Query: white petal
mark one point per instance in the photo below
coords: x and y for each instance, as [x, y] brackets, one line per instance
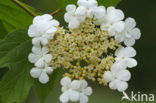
[33, 58]
[110, 9]
[119, 26]
[99, 12]
[45, 50]
[92, 3]
[64, 98]
[80, 11]
[36, 50]
[122, 86]
[74, 96]
[35, 72]
[131, 62]
[130, 23]
[71, 8]
[118, 14]
[40, 63]
[129, 42]
[113, 84]
[67, 17]
[32, 31]
[54, 23]
[83, 84]
[43, 77]
[124, 75]
[136, 33]
[82, 3]
[49, 70]
[36, 41]
[75, 84]
[125, 52]
[87, 91]
[47, 58]
[73, 24]
[116, 67]
[83, 98]
[108, 76]
[45, 17]
[65, 81]
[44, 41]
[51, 31]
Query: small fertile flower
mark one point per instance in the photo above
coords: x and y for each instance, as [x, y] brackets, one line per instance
[112, 22]
[124, 57]
[40, 56]
[42, 29]
[130, 33]
[90, 5]
[117, 78]
[41, 73]
[74, 16]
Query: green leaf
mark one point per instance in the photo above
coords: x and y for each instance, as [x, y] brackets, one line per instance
[15, 86]
[106, 3]
[15, 47]
[13, 17]
[14, 50]
[43, 90]
[3, 31]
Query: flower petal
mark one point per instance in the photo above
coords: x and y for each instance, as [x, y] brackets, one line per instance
[65, 81]
[75, 84]
[108, 76]
[125, 52]
[83, 98]
[47, 58]
[130, 23]
[83, 84]
[33, 58]
[35, 72]
[87, 91]
[124, 75]
[122, 86]
[113, 84]
[74, 96]
[136, 33]
[64, 98]
[131, 62]
[43, 77]
[71, 9]
[49, 70]
[129, 42]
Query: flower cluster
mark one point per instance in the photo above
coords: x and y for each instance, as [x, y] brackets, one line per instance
[42, 29]
[75, 90]
[97, 45]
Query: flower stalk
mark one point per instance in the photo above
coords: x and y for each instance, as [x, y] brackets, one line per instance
[55, 12]
[24, 7]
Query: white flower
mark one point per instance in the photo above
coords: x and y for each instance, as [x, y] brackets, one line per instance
[112, 22]
[117, 78]
[90, 5]
[69, 90]
[39, 56]
[129, 34]
[99, 12]
[74, 16]
[41, 73]
[84, 91]
[75, 90]
[124, 57]
[42, 29]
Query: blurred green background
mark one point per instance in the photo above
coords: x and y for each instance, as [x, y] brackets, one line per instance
[143, 76]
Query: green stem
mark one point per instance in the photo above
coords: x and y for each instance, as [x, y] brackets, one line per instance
[55, 12]
[24, 7]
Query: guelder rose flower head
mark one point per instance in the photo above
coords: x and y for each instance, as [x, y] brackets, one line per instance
[130, 33]
[42, 29]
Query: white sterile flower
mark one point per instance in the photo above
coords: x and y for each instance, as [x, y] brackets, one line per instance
[41, 73]
[124, 57]
[40, 56]
[84, 91]
[42, 29]
[90, 6]
[117, 78]
[112, 22]
[69, 90]
[74, 16]
[129, 34]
